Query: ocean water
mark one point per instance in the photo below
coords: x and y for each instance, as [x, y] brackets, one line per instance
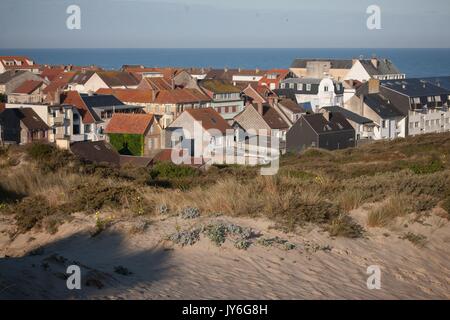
[413, 62]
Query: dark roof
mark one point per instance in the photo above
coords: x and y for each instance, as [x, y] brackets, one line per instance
[135, 161]
[287, 93]
[442, 82]
[349, 115]
[321, 125]
[415, 87]
[98, 101]
[82, 77]
[384, 67]
[28, 117]
[335, 63]
[273, 118]
[96, 152]
[291, 105]
[5, 77]
[382, 106]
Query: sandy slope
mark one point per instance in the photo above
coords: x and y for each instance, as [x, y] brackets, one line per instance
[319, 267]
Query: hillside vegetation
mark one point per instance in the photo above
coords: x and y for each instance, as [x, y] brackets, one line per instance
[42, 186]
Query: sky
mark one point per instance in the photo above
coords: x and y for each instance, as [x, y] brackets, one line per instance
[225, 24]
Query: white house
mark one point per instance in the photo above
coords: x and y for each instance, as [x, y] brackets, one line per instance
[319, 92]
[380, 69]
[203, 133]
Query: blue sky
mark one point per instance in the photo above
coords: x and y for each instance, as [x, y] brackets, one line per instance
[224, 24]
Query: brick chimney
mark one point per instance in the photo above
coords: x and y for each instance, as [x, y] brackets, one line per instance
[374, 86]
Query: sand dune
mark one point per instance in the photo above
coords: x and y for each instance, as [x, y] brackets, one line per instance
[318, 268]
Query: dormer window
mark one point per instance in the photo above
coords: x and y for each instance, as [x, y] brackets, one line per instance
[300, 87]
[308, 87]
[291, 85]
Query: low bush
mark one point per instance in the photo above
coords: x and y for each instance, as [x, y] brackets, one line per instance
[168, 170]
[416, 239]
[383, 215]
[30, 212]
[432, 166]
[345, 226]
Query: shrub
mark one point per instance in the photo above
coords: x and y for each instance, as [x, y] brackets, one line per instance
[446, 205]
[190, 213]
[434, 165]
[417, 239]
[168, 170]
[40, 151]
[216, 233]
[387, 212]
[345, 226]
[186, 237]
[30, 212]
[350, 199]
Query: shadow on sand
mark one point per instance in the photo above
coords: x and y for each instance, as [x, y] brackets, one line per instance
[108, 269]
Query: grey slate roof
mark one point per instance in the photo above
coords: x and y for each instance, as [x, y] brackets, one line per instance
[321, 125]
[349, 114]
[7, 76]
[98, 101]
[381, 106]
[385, 67]
[442, 82]
[335, 63]
[96, 152]
[415, 87]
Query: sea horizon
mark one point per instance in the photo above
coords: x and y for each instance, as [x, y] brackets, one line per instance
[414, 62]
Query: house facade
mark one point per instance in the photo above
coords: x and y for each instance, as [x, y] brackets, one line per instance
[327, 130]
[202, 133]
[226, 98]
[12, 79]
[319, 92]
[134, 134]
[379, 69]
[18, 63]
[369, 102]
[22, 126]
[30, 91]
[424, 104]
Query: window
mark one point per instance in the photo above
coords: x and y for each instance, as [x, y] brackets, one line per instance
[308, 87]
[437, 98]
[416, 100]
[167, 108]
[416, 124]
[325, 88]
[291, 85]
[430, 99]
[427, 123]
[300, 86]
[282, 86]
[87, 128]
[383, 123]
[432, 123]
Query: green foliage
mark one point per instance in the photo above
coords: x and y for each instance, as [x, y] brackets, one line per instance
[435, 165]
[128, 144]
[48, 157]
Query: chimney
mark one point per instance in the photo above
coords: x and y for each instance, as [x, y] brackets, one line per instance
[90, 93]
[374, 86]
[260, 108]
[374, 62]
[57, 97]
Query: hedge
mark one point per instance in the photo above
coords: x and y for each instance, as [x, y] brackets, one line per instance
[128, 144]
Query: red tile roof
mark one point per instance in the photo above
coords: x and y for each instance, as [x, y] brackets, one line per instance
[129, 95]
[167, 73]
[118, 78]
[131, 123]
[59, 82]
[28, 87]
[156, 84]
[281, 74]
[51, 72]
[73, 98]
[209, 118]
